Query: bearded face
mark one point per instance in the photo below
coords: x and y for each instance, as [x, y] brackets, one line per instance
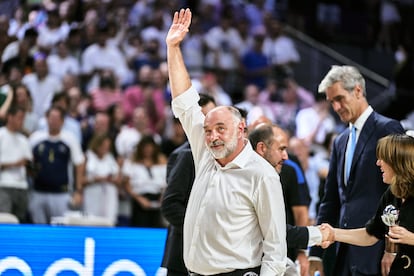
[220, 149]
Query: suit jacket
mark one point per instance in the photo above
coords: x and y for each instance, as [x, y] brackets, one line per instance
[180, 178]
[352, 205]
[297, 236]
[295, 193]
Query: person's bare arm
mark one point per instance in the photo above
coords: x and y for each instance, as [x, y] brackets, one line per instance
[300, 214]
[178, 75]
[5, 107]
[77, 196]
[79, 177]
[357, 236]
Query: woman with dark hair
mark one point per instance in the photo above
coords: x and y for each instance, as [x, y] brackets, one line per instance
[23, 99]
[100, 190]
[146, 179]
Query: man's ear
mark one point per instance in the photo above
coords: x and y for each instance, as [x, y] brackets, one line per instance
[260, 148]
[358, 91]
[242, 128]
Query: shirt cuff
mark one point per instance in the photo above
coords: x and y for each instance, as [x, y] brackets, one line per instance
[313, 258]
[277, 269]
[315, 235]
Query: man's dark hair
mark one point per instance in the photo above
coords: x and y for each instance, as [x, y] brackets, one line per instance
[320, 97]
[57, 108]
[31, 32]
[262, 133]
[242, 111]
[13, 110]
[205, 99]
[59, 96]
[74, 31]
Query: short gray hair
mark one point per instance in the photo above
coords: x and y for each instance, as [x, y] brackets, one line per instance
[237, 117]
[348, 76]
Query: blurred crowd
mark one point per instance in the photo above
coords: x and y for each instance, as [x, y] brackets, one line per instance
[84, 86]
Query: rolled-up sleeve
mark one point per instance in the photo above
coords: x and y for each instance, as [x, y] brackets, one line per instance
[272, 220]
[186, 108]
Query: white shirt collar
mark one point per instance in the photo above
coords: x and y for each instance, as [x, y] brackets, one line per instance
[241, 159]
[359, 123]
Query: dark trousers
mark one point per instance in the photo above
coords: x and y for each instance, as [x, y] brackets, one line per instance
[14, 201]
[146, 217]
[238, 272]
[176, 273]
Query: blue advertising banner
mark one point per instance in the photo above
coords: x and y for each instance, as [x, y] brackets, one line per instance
[34, 250]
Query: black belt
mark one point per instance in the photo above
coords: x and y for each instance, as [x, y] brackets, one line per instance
[238, 272]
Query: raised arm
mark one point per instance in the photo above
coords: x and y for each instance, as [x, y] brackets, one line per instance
[178, 75]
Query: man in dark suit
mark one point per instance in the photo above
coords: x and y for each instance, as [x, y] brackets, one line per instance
[351, 196]
[180, 177]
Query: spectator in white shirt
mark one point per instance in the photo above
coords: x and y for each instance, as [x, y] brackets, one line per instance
[129, 136]
[210, 85]
[280, 49]
[315, 122]
[62, 63]
[100, 56]
[42, 86]
[100, 186]
[52, 32]
[224, 46]
[15, 154]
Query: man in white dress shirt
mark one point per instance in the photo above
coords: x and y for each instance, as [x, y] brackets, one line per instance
[235, 218]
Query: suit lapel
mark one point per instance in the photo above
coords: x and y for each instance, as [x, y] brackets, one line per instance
[364, 137]
[342, 143]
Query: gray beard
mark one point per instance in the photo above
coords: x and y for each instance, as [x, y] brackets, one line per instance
[226, 151]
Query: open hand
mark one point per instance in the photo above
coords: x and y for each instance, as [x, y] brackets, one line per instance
[179, 27]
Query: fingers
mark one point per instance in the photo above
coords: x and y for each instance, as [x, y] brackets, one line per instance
[328, 234]
[325, 244]
[183, 17]
[179, 27]
[175, 18]
[394, 240]
[394, 237]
